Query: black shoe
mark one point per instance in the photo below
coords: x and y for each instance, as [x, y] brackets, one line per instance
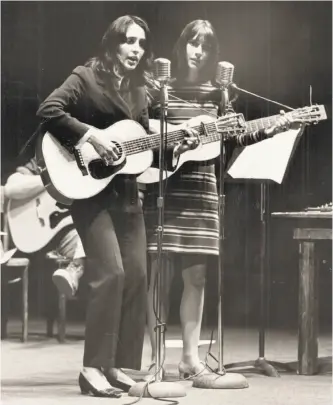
[117, 378]
[87, 388]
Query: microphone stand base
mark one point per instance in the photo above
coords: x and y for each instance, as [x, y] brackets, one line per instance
[262, 365]
[218, 381]
[157, 390]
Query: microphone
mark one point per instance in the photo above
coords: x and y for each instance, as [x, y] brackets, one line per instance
[162, 74]
[162, 70]
[224, 76]
[224, 73]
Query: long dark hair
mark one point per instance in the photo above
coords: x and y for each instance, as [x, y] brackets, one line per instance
[201, 29]
[106, 62]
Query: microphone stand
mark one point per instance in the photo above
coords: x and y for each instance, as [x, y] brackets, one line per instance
[155, 388]
[220, 379]
[159, 340]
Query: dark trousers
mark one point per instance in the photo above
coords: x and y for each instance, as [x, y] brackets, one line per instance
[115, 245]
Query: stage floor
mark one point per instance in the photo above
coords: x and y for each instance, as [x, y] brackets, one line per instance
[44, 371]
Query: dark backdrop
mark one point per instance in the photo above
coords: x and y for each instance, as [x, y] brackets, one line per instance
[278, 49]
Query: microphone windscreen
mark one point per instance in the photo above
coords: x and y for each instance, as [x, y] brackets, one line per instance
[162, 69]
[224, 73]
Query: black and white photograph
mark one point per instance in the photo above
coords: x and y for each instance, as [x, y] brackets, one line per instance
[166, 202]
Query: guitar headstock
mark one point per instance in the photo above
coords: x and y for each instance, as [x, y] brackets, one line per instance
[230, 121]
[311, 114]
[231, 124]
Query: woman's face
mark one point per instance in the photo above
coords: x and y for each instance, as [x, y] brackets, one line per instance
[197, 53]
[131, 51]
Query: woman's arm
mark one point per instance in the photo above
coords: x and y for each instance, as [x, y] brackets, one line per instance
[283, 123]
[57, 117]
[56, 111]
[249, 138]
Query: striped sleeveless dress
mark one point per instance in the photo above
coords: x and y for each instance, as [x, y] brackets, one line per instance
[191, 199]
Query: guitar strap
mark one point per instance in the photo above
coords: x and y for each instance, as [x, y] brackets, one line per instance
[29, 141]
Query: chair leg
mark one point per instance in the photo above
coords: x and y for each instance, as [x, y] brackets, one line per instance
[51, 303]
[62, 318]
[4, 303]
[49, 327]
[25, 281]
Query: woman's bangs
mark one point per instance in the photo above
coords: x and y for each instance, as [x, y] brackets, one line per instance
[203, 34]
[206, 37]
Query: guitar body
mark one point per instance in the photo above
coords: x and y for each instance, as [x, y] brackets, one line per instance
[65, 181]
[34, 222]
[201, 153]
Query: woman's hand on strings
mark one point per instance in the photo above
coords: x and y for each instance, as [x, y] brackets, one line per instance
[284, 123]
[107, 150]
[190, 142]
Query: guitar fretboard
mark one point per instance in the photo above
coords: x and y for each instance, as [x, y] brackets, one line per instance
[207, 133]
[261, 123]
[266, 122]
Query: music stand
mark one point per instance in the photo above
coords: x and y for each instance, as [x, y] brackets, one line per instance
[261, 364]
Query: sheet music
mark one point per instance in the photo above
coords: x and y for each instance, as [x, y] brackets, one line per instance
[266, 160]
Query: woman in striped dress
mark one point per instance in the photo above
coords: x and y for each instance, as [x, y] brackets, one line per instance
[191, 199]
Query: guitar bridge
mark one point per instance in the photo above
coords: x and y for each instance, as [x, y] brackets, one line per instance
[80, 162]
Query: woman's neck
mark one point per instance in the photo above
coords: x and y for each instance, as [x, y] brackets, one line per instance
[119, 77]
[193, 77]
[117, 81]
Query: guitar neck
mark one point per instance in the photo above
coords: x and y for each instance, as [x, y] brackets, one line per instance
[152, 142]
[262, 123]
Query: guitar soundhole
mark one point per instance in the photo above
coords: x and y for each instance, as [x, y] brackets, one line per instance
[57, 217]
[99, 170]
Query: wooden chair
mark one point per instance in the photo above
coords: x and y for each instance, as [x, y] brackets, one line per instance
[23, 265]
[18, 263]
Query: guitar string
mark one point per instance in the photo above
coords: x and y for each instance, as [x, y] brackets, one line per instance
[174, 135]
[152, 143]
